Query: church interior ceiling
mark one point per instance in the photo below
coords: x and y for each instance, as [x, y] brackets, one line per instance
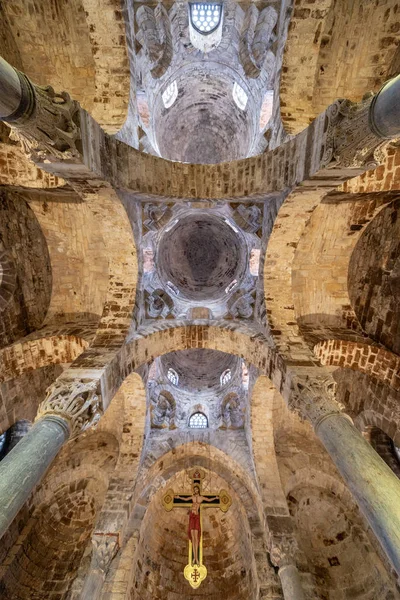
[199, 300]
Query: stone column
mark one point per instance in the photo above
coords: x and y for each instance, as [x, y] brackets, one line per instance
[282, 555]
[373, 484]
[69, 408]
[44, 121]
[10, 90]
[105, 547]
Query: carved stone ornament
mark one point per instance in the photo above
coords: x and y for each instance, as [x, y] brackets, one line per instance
[105, 547]
[52, 125]
[283, 551]
[314, 399]
[77, 402]
[349, 139]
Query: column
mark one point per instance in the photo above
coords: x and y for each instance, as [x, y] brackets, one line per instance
[373, 484]
[10, 90]
[282, 554]
[69, 408]
[44, 121]
[385, 110]
[105, 547]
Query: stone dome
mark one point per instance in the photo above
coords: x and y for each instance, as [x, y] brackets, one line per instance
[201, 256]
[200, 368]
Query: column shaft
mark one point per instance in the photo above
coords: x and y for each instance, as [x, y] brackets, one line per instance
[291, 584]
[10, 90]
[385, 110]
[373, 484]
[25, 465]
[93, 585]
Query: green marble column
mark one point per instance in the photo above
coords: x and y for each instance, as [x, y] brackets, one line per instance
[291, 584]
[373, 484]
[25, 465]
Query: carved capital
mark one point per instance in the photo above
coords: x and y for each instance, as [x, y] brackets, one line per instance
[77, 402]
[47, 122]
[105, 547]
[283, 551]
[315, 399]
[349, 138]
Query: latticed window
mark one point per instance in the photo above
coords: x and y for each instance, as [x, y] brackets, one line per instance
[226, 377]
[173, 376]
[205, 16]
[239, 95]
[170, 94]
[198, 421]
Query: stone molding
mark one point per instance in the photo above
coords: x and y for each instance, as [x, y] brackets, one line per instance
[49, 122]
[76, 402]
[349, 139]
[105, 547]
[315, 400]
[283, 551]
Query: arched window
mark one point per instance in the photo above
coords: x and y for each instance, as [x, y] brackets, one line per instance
[170, 94]
[205, 16]
[226, 377]
[198, 421]
[173, 376]
[239, 95]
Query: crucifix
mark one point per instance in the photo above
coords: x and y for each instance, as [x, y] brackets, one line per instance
[195, 571]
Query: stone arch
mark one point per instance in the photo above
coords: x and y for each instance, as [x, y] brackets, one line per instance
[321, 270]
[263, 446]
[337, 549]
[49, 549]
[320, 46]
[227, 542]
[37, 353]
[25, 286]
[374, 278]
[161, 465]
[376, 362]
[80, 48]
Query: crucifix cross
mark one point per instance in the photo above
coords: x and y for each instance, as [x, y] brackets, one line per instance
[195, 571]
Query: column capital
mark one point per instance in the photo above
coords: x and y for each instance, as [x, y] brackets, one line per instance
[105, 547]
[45, 122]
[76, 402]
[283, 551]
[350, 140]
[314, 399]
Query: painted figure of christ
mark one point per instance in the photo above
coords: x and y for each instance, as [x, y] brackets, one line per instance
[194, 531]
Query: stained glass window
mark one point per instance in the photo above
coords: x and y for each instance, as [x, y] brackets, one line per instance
[205, 16]
[198, 421]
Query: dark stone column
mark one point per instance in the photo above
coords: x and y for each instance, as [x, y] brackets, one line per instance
[373, 484]
[385, 110]
[70, 408]
[26, 464]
